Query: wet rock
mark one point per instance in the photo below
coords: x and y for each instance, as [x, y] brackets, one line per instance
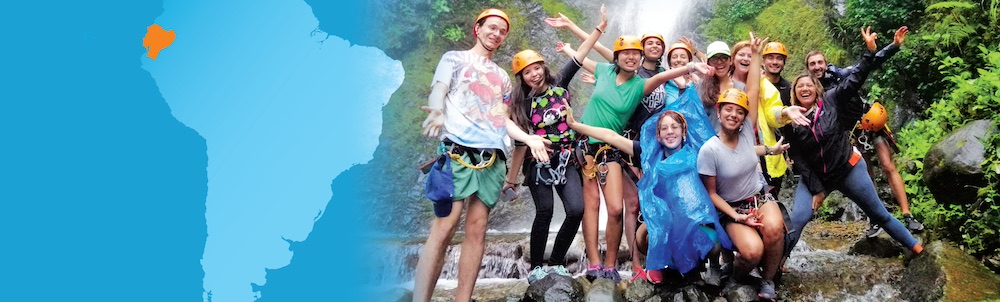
[953, 167]
[398, 294]
[554, 288]
[719, 299]
[640, 290]
[604, 290]
[654, 299]
[736, 292]
[881, 246]
[690, 294]
[945, 273]
[584, 283]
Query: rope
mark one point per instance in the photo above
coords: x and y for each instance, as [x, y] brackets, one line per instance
[458, 158]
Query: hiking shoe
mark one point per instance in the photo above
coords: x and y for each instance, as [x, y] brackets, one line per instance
[559, 270]
[639, 274]
[594, 272]
[537, 274]
[912, 224]
[767, 290]
[612, 274]
[713, 276]
[873, 230]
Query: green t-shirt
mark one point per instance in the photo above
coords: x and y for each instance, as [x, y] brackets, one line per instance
[611, 105]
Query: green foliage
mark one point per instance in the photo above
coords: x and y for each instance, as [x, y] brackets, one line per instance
[799, 26]
[454, 34]
[740, 9]
[884, 17]
[974, 95]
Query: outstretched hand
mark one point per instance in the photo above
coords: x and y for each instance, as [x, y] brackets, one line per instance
[588, 78]
[539, 148]
[900, 35]
[604, 18]
[689, 44]
[797, 115]
[559, 22]
[432, 124]
[757, 44]
[869, 36]
[701, 67]
[779, 148]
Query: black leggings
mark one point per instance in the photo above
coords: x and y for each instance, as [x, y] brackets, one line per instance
[571, 194]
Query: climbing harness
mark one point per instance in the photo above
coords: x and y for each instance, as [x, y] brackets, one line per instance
[455, 152]
[546, 174]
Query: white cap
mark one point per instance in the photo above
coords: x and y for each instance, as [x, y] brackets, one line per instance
[717, 47]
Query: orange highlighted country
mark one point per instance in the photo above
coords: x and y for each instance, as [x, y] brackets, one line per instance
[157, 39]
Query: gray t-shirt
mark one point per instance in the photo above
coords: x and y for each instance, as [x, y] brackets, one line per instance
[736, 174]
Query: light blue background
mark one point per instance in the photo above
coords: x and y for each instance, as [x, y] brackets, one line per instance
[127, 179]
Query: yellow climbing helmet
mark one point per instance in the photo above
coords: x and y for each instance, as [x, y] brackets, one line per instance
[627, 42]
[775, 47]
[734, 96]
[523, 59]
[875, 119]
[492, 12]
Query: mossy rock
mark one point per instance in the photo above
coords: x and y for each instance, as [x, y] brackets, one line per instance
[945, 273]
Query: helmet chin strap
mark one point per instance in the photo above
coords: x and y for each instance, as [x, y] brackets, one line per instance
[475, 31]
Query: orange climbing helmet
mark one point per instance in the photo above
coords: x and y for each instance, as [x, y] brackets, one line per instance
[734, 96]
[679, 45]
[875, 119]
[652, 35]
[775, 47]
[627, 42]
[492, 12]
[524, 58]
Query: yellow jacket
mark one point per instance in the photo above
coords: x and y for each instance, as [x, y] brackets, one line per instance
[768, 119]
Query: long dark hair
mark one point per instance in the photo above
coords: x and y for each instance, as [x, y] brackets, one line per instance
[520, 100]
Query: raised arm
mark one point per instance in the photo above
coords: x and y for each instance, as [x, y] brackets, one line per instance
[697, 53]
[603, 134]
[566, 49]
[666, 75]
[563, 22]
[588, 44]
[753, 77]
[537, 144]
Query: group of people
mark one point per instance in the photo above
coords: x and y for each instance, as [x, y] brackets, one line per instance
[687, 153]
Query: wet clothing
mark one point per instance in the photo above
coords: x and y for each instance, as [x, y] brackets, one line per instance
[486, 183]
[476, 104]
[612, 105]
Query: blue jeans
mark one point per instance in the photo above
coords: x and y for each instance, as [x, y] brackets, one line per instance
[859, 188]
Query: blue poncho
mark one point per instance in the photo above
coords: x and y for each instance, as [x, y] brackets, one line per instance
[672, 197]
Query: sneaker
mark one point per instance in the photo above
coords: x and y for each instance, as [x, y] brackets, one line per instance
[594, 272]
[912, 224]
[639, 274]
[767, 290]
[537, 274]
[713, 276]
[873, 230]
[559, 270]
[612, 274]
